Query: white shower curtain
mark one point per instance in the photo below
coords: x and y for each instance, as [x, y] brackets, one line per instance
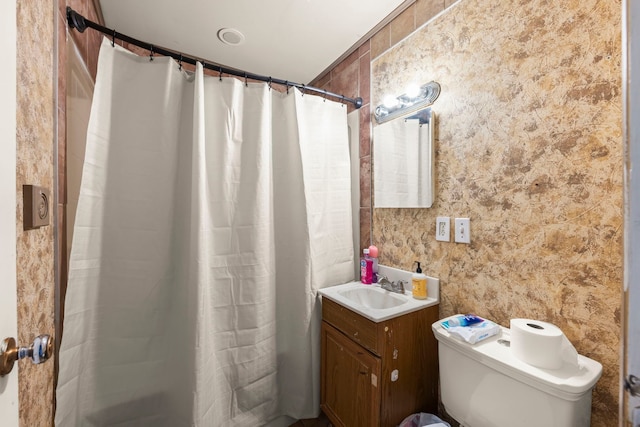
[210, 213]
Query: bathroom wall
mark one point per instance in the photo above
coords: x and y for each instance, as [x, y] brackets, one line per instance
[352, 77]
[88, 45]
[34, 165]
[37, 119]
[529, 147]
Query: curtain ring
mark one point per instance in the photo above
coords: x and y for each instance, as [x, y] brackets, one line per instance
[180, 63]
[151, 54]
[286, 83]
[269, 83]
[113, 39]
[303, 89]
[220, 73]
[245, 80]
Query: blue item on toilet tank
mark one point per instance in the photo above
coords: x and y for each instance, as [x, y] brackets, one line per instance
[466, 320]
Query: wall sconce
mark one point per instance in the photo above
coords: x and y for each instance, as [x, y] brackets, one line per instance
[410, 101]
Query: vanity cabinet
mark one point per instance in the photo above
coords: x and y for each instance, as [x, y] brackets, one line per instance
[376, 374]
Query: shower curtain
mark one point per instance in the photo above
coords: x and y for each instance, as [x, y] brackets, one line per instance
[210, 213]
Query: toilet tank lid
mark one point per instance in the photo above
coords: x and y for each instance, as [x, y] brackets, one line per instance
[569, 381]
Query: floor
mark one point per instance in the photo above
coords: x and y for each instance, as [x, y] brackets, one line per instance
[321, 421]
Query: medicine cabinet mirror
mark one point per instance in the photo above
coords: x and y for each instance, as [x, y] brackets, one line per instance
[403, 162]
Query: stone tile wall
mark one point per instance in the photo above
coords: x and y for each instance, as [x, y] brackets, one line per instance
[37, 98]
[529, 146]
[34, 166]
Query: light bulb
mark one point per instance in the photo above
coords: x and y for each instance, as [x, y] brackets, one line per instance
[413, 90]
[390, 101]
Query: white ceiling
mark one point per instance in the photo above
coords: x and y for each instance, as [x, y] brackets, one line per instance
[293, 40]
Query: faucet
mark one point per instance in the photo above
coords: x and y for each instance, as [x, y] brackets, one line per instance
[390, 286]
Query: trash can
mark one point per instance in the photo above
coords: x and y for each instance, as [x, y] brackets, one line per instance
[423, 419]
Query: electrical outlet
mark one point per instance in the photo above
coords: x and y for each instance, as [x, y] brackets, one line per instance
[443, 228]
[463, 230]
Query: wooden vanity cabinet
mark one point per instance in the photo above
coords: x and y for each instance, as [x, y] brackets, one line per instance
[358, 383]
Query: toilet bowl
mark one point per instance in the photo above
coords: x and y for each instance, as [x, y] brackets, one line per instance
[485, 385]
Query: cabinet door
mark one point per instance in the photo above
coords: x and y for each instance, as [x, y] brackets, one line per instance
[350, 381]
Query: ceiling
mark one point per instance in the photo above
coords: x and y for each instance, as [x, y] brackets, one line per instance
[295, 40]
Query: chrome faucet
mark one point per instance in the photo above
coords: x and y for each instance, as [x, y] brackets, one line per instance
[390, 286]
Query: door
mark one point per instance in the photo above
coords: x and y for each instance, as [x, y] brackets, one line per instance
[631, 121]
[8, 298]
[350, 394]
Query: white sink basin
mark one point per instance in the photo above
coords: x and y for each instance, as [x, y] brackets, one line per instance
[377, 304]
[372, 297]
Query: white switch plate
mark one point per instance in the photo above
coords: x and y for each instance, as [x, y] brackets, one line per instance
[443, 228]
[463, 231]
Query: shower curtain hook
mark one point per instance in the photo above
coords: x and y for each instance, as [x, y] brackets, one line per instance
[269, 83]
[286, 83]
[220, 69]
[303, 88]
[151, 55]
[113, 39]
[245, 80]
[180, 63]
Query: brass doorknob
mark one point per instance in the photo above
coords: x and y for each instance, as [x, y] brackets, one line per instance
[39, 351]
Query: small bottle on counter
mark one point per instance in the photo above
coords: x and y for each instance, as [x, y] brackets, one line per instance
[366, 268]
[419, 283]
[373, 253]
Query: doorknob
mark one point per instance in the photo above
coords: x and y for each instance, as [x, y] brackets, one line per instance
[39, 351]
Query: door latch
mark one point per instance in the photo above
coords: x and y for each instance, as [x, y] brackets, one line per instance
[39, 351]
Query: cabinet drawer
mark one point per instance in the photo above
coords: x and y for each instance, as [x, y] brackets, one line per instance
[358, 328]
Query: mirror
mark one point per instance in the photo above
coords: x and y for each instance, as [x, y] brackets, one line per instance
[403, 162]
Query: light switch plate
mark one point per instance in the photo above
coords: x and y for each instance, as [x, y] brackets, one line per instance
[443, 228]
[463, 230]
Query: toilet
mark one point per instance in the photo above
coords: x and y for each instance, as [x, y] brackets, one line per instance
[484, 385]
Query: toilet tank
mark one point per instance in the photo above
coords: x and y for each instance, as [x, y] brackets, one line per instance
[484, 385]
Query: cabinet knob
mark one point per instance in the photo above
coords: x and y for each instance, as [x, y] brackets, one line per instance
[39, 351]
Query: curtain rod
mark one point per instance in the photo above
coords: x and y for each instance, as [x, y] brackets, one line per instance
[80, 23]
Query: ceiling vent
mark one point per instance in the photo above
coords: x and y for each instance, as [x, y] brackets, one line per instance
[230, 36]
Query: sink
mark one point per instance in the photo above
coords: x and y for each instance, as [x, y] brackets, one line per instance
[377, 304]
[373, 297]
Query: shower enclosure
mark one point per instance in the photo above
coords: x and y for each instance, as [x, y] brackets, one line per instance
[210, 212]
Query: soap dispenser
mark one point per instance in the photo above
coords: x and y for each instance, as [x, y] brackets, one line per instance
[419, 283]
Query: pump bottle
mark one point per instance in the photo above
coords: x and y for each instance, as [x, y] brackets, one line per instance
[419, 283]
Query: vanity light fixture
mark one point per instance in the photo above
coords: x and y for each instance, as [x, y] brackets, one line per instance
[412, 100]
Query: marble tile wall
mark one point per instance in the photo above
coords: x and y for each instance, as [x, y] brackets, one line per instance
[529, 146]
